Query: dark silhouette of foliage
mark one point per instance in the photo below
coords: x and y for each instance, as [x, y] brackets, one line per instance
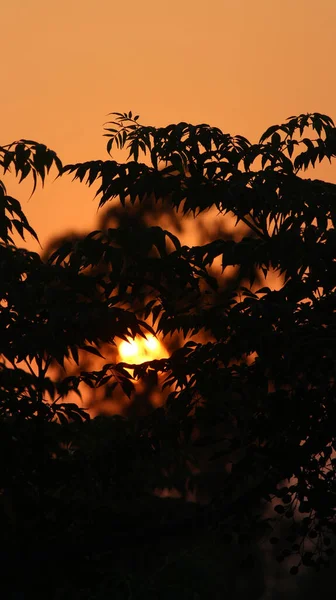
[281, 403]
[258, 364]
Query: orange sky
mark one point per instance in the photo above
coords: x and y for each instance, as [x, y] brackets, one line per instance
[240, 65]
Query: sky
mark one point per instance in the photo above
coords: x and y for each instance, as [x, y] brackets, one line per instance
[240, 65]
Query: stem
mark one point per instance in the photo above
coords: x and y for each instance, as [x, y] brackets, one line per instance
[254, 228]
[29, 367]
[56, 400]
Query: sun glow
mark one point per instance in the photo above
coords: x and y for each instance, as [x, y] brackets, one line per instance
[140, 350]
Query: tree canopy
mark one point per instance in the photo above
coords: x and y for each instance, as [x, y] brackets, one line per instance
[254, 377]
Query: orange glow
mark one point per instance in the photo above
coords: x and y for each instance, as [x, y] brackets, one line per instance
[139, 350]
[241, 68]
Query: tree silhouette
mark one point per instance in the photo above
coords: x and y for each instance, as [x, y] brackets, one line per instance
[279, 400]
[257, 364]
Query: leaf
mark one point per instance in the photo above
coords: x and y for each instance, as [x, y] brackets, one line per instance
[268, 133]
[276, 140]
[127, 387]
[91, 350]
[74, 352]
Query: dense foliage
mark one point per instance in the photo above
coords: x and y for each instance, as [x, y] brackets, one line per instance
[256, 368]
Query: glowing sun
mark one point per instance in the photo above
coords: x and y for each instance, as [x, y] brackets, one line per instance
[139, 350]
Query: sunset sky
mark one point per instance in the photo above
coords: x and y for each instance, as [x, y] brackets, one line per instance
[240, 65]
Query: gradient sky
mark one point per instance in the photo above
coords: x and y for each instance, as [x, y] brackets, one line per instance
[240, 65]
